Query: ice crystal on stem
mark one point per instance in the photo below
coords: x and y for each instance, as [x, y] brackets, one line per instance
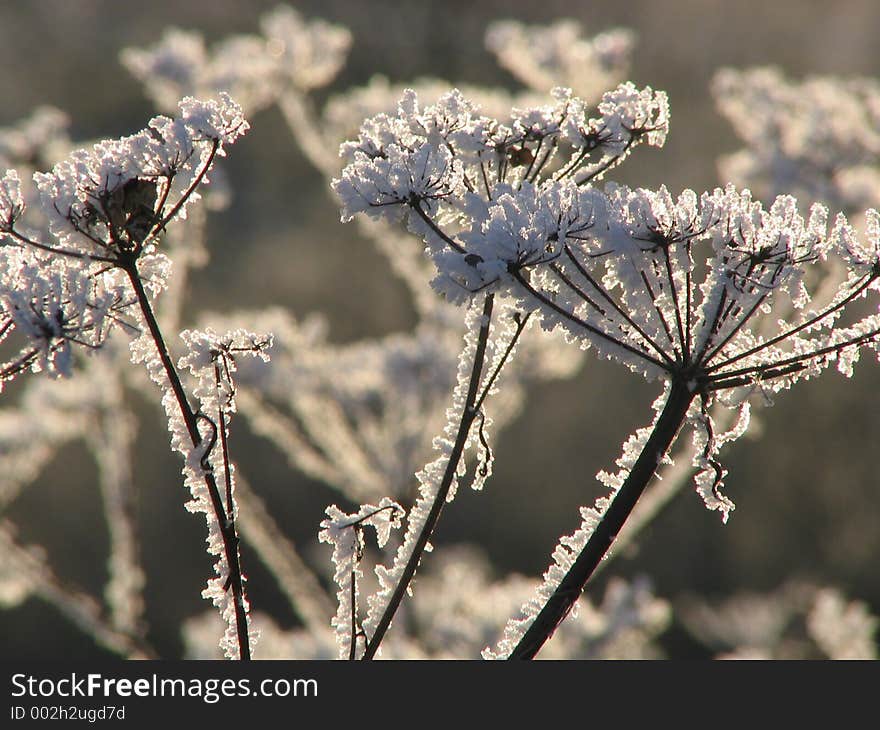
[211, 358]
[346, 534]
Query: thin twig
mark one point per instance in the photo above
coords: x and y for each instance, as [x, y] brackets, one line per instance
[227, 528]
[467, 418]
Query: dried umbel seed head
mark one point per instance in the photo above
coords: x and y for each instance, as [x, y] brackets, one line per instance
[131, 209]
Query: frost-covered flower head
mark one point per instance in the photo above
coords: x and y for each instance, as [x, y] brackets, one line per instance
[113, 200]
[46, 307]
[449, 156]
[102, 211]
[671, 287]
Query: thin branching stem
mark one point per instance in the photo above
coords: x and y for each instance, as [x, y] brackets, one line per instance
[560, 273]
[542, 164]
[224, 447]
[799, 328]
[434, 227]
[673, 290]
[657, 308]
[160, 225]
[521, 322]
[688, 303]
[608, 164]
[733, 331]
[469, 413]
[573, 164]
[352, 649]
[580, 323]
[531, 166]
[485, 180]
[582, 270]
[227, 527]
[799, 359]
[21, 238]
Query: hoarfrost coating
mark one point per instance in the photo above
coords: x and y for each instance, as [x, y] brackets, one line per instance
[672, 287]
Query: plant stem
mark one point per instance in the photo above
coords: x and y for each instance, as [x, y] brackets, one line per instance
[569, 590]
[225, 521]
[468, 415]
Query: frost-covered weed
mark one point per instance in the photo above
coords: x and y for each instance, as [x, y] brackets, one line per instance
[723, 299]
[672, 287]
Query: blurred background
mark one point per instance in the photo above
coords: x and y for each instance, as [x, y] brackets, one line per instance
[804, 480]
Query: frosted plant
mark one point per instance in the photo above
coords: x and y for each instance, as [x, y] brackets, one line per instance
[667, 286]
[91, 408]
[346, 534]
[347, 413]
[694, 291]
[319, 134]
[212, 358]
[287, 61]
[361, 416]
[95, 265]
[314, 51]
[817, 139]
[423, 169]
[53, 307]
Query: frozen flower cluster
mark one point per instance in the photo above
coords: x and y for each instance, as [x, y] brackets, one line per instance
[114, 199]
[103, 210]
[668, 285]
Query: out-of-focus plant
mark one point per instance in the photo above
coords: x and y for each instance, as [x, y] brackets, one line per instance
[796, 621]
